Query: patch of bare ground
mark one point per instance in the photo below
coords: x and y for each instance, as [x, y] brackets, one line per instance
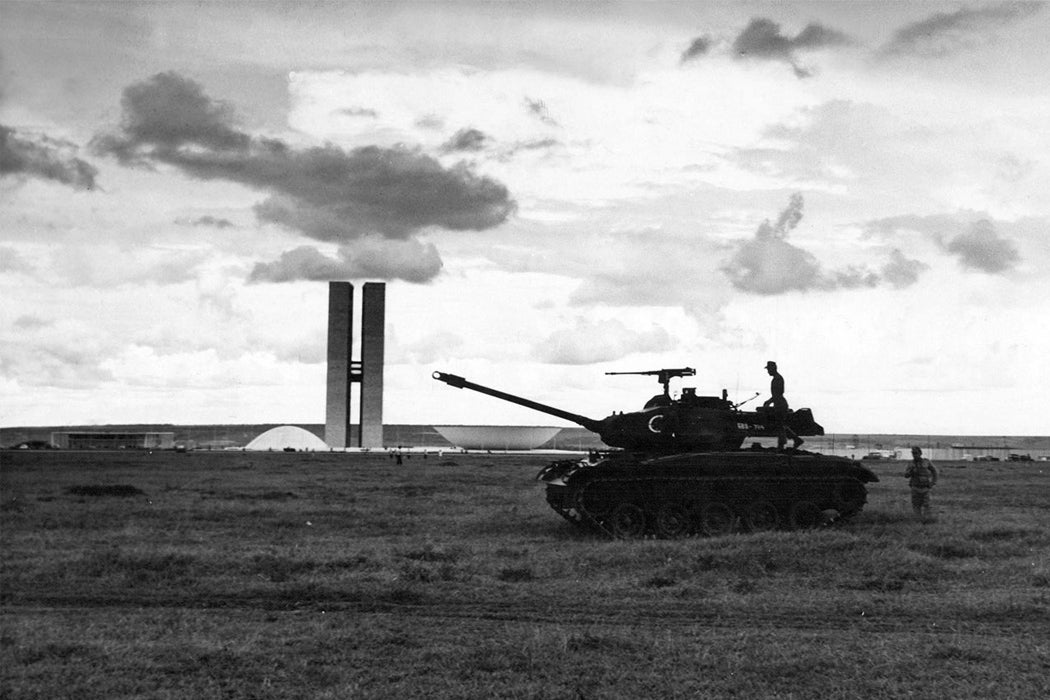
[273, 575]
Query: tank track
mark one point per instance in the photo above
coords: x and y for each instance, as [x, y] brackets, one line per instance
[673, 507]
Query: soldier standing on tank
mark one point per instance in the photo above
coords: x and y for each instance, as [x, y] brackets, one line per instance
[922, 477]
[779, 406]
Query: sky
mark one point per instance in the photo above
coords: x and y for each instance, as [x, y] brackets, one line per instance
[551, 191]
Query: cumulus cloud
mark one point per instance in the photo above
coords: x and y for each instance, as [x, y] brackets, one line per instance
[369, 258]
[627, 288]
[431, 122]
[206, 220]
[323, 192]
[591, 341]
[937, 227]
[410, 260]
[641, 269]
[763, 39]
[700, 46]
[431, 348]
[97, 265]
[850, 277]
[302, 263]
[538, 109]
[976, 242]
[68, 353]
[944, 33]
[30, 322]
[901, 271]
[982, 248]
[468, 139]
[12, 261]
[768, 264]
[533, 145]
[359, 112]
[22, 155]
[168, 112]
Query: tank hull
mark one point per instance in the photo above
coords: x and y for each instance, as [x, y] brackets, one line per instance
[706, 493]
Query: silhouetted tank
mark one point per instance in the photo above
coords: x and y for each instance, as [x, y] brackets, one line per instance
[680, 469]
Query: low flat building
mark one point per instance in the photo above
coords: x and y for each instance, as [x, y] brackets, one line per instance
[109, 440]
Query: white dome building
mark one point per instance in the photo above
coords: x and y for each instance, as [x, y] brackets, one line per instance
[496, 437]
[287, 437]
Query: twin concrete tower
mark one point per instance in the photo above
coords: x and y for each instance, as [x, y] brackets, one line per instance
[343, 371]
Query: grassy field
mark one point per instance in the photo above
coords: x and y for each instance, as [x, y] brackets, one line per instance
[241, 575]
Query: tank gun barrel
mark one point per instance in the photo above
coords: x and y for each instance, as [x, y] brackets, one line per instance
[461, 383]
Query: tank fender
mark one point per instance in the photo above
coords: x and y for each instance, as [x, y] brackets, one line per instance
[863, 473]
[560, 469]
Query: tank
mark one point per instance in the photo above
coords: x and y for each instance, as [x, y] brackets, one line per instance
[679, 468]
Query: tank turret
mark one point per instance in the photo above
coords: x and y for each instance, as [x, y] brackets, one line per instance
[664, 425]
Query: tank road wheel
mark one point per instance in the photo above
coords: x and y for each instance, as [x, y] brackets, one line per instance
[805, 515]
[672, 521]
[716, 519]
[591, 501]
[851, 496]
[627, 521]
[761, 516]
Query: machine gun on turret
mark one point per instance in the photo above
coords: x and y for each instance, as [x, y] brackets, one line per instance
[664, 376]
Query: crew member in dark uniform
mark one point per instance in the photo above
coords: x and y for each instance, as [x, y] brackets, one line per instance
[779, 407]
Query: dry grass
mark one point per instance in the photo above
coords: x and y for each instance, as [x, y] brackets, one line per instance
[330, 576]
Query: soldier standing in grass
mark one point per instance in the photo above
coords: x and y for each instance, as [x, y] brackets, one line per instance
[922, 477]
